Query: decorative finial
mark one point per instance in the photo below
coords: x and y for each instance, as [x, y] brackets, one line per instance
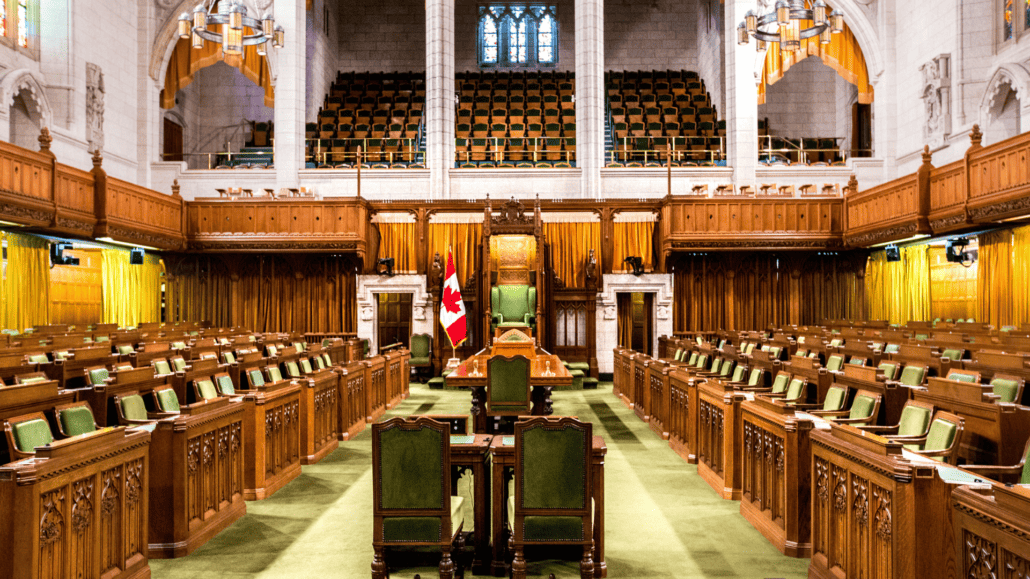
[975, 136]
[175, 188]
[98, 159]
[853, 184]
[927, 156]
[45, 139]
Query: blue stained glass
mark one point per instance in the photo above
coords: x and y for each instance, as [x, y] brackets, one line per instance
[23, 28]
[1008, 19]
[545, 40]
[489, 40]
[518, 34]
[516, 41]
[1026, 24]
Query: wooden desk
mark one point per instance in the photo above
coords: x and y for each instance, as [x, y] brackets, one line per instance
[465, 376]
[198, 489]
[719, 437]
[353, 403]
[683, 413]
[472, 452]
[101, 396]
[376, 387]
[271, 429]
[319, 415]
[992, 531]
[502, 452]
[78, 508]
[71, 373]
[398, 373]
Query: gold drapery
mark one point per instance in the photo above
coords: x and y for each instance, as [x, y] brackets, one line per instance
[570, 248]
[899, 291]
[994, 278]
[953, 287]
[187, 61]
[131, 293]
[632, 239]
[842, 54]
[463, 238]
[397, 240]
[25, 289]
[917, 282]
[1020, 276]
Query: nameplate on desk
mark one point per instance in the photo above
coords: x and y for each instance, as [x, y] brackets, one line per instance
[463, 439]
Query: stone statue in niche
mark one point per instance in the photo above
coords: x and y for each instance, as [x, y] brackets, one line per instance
[936, 95]
[94, 107]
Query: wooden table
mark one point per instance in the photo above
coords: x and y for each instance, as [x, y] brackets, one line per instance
[502, 451]
[471, 374]
[471, 452]
[991, 529]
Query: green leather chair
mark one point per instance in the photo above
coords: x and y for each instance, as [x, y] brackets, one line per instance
[178, 364]
[693, 359]
[914, 423]
[255, 378]
[834, 363]
[272, 350]
[678, 356]
[98, 376]
[32, 378]
[38, 359]
[508, 391]
[26, 433]
[124, 349]
[943, 440]
[319, 362]
[963, 376]
[553, 500]
[1016, 474]
[166, 400]
[512, 306]
[204, 389]
[305, 366]
[411, 492]
[161, 367]
[779, 384]
[75, 419]
[912, 375]
[228, 357]
[224, 384]
[755, 379]
[891, 348]
[796, 391]
[864, 410]
[132, 411]
[889, 369]
[738, 374]
[801, 352]
[1007, 388]
[953, 354]
[421, 353]
[274, 374]
[293, 370]
[299, 346]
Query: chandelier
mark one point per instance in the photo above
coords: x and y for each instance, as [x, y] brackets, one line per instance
[783, 25]
[232, 16]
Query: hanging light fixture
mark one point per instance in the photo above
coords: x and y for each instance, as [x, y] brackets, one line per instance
[232, 21]
[783, 25]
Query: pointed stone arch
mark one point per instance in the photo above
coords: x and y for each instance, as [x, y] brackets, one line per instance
[1011, 75]
[15, 82]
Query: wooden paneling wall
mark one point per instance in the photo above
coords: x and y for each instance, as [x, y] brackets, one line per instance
[267, 293]
[76, 294]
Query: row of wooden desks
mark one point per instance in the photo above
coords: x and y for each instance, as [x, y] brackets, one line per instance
[480, 452]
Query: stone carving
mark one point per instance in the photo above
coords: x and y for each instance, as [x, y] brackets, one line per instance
[609, 312]
[936, 95]
[591, 268]
[367, 313]
[419, 313]
[663, 312]
[94, 107]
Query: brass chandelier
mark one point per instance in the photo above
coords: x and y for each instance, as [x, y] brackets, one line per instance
[783, 25]
[232, 16]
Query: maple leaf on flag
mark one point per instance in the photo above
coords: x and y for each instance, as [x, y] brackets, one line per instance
[451, 300]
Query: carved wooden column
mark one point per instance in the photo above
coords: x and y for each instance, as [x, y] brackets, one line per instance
[607, 240]
[730, 276]
[975, 138]
[794, 291]
[923, 192]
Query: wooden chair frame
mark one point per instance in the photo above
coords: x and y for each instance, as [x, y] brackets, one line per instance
[9, 433]
[948, 455]
[1002, 474]
[841, 416]
[490, 411]
[57, 416]
[889, 431]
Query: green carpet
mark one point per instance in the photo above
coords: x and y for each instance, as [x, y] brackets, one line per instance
[662, 520]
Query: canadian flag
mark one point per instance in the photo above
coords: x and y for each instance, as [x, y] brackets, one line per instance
[452, 314]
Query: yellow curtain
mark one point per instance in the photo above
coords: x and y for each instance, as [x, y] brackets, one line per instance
[1020, 276]
[132, 293]
[842, 54]
[917, 282]
[994, 278]
[26, 283]
[899, 291]
[570, 248]
[632, 239]
[397, 240]
[187, 61]
[464, 240]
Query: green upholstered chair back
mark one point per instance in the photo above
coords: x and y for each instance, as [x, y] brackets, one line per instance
[272, 350]
[255, 377]
[889, 369]
[161, 367]
[32, 380]
[292, 370]
[961, 376]
[420, 344]
[62, 355]
[834, 363]
[206, 389]
[178, 364]
[410, 465]
[319, 362]
[167, 401]
[862, 407]
[508, 384]
[892, 348]
[274, 375]
[941, 436]
[38, 359]
[514, 303]
[912, 375]
[738, 374]
[133, 407]
[228, 357]
[952, 354]
[693, 359]
[835, 398]
[178, 345]
[755, 378]
[299, 346]
[914, 419]
[76, 420]
[922, 337]
[98, 375]
[325, 358]
[553, 464]
[796, 389]
[780, 383]
[835, 343]
[124, 349]
[102, 339]
[32, 433]
[702, 361]
[1007, 388]
[225, 385]
[856, 361]
[305, 366]
[775, 351]
[722, 344]
[678, 356]
[727, 368]
[750, 348]
[801, 353]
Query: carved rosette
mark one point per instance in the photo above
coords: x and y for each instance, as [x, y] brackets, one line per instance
[981, 557]
[779, 456]
[82, 505]
[822, 480]
[840, 489]
[51, 523]
[882, 518]
[193, 456]
[860, 502]
[133, 486]
[109, 496]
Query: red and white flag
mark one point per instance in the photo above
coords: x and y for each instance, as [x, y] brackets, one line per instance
[452, 312]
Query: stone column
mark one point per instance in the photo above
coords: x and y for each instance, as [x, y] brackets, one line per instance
[440, 107]
[885, 105]
[741, 92]
[590, 94]
[290, 88]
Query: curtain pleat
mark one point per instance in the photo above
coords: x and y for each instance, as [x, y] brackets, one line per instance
[1021, 276]
[994, 278]
[463, 238]
[131, 293]
[186, 61]
[26, 287]
[632, 239]
[570, 248]
[624, 305]
[397, 240]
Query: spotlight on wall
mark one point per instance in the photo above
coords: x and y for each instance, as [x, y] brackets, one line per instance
[57, 256]
[637, 263]
[893, 253]
[136, 256]
[955, 252]
[385, 262]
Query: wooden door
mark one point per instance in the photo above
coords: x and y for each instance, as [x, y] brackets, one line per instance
[173, 141]
[394, 319]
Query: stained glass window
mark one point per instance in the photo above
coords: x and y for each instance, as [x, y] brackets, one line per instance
[3, 18]
[23, 23]
[1008, 19]
[1026, 24]
[518, 35]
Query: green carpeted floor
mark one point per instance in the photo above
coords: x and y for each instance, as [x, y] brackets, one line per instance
[662, 520]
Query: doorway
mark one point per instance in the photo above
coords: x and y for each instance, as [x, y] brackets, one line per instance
[172, 142]
[394, 315]
[636, 321]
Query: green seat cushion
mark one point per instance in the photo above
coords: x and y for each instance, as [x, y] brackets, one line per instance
[1005, 388]
[77, 420]
[856, 361]
[133, 407]
[31, 434]
[862, 407]
[293, 369]
[38, 359]
[780, 384]
[225, 385]
[952, 354]
[124, 349]
[834, 363]
[941, 435]
[206, 388]
[801, 353]
[256, 379]
[168, 400]
[419, 361]
[912, 375]
[889, 369]
[162, 368]
[961, 377]
[576, 373]
[548, 528]
[103, 339]
[305, 366]
[178, 345]
[274, 375]
[892, 348]
[835, 398]
[98, 375]
[421, 529]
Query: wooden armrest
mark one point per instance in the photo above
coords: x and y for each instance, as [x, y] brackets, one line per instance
[987, 469]
[907, 439]
[806, 407]
[932, 453]
[853, 420]
[139, 421]
[160, 415]
[879, 429]
[831, 413]
[756, 389]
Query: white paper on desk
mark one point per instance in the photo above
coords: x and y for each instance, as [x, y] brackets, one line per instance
[820, 423]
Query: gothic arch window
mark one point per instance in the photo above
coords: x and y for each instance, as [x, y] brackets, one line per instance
[517, 36]
[1015, 18]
